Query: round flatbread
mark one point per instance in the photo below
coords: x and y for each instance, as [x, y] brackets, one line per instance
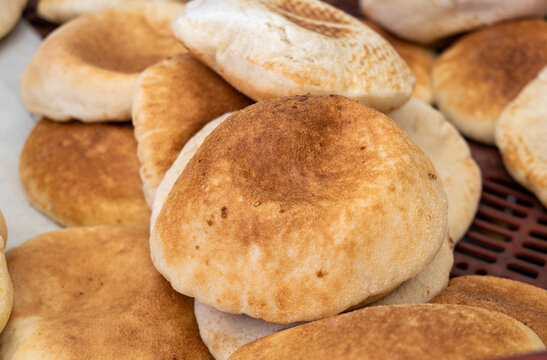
[432, 20]
[174, 99]
[273, 48]
[521, 301]
[283, 178]
[84, 174]
[424, 331]
[521, 136]
[418, 58]
[6, 288]
[59, 11]
[482, 72]
[11, 12]
[224, 333]
[449, 152]
[108, 300]
[109, 49]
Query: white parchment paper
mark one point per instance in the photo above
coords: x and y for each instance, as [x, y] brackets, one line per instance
[24, 221]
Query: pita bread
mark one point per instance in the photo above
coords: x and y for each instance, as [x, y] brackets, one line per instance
[108, 300]
[482, 72]
[521, 136]
[524, 302]
[273, 48]
[432, 20]
[6, 288]
[3, 229]
[418, 58]
[11, 12]
[109, 49]
[283, 178]
[424, 331]
[174, 99]
[59, 11]
[224, 333]
[84, 174]
[449, 152]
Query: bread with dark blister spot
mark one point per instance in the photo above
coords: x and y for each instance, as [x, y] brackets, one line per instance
[286, 209]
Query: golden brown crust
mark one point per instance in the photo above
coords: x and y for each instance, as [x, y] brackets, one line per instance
[175, 99]
[521, 301]
[300, 176]
[84, 174]
[423, 331]
[89, 293]
[482, 72]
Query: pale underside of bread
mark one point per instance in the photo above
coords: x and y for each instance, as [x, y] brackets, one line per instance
[281, 48]
[224, 333]
[451, 156]
[521, 136]
[433, 20]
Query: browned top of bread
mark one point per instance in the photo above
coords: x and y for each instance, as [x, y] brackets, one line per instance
[422, 331]
[521, 301]
[174, 99]
[482, 72]
[84, 174]
[289, 202]
[89, 293]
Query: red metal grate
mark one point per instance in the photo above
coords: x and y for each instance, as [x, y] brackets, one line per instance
[508, 237]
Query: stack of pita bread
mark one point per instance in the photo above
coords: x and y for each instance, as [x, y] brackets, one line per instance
[285, 190]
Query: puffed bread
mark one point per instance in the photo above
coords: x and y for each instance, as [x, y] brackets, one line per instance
[93, 293]
[59, 11]
[173, 100]
[521, 301]
[6, 288]
[449, 152]
[84, 174]
[273, 48]
[477, 77]
[11, 12]
[521, 136]
[87, 69]
[224, 333]
[280, 162]
[425, 331]
[426, 21]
